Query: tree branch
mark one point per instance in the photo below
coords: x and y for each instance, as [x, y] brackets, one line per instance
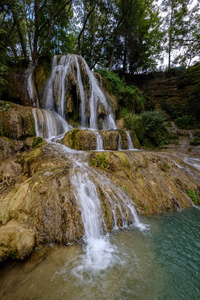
[83, 29]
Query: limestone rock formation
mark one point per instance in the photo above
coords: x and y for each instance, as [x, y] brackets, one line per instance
[40, 200]
[80, 139]
[16, 241]
[16, 121]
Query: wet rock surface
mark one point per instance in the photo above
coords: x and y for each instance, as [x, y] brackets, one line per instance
[39, 197]
[16, 121]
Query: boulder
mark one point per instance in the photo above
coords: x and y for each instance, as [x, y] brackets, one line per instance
[16, 122]
[16, 241]
[80, 139]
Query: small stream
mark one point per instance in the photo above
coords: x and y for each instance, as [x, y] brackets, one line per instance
[161, 262]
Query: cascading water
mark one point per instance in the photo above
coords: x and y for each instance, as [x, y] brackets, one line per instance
[85, 180]
[58, 83]
[120, 143]
[30, 86]
[49, 124]
[130, 143]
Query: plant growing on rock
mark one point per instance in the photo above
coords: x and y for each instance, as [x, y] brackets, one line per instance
[127, 96]
[150, 128]
[193, 196]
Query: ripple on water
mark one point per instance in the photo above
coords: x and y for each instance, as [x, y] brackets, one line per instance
[161, 263]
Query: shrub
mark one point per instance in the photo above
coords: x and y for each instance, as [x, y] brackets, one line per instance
[185, 122]
[150, 128]
[195, 141]
[127, 96]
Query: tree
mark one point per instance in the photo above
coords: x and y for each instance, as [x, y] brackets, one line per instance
[181, 28]
[137, 38]
[28, 25]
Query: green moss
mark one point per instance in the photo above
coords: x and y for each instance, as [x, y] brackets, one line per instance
[124, 142]
[135, 140]
[165, 167]
[37, 141]
[124, 161]
[70, 139]
[100, 160]
[193, 196]
[124, 187]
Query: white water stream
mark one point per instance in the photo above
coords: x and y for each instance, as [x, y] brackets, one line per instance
[99, 252]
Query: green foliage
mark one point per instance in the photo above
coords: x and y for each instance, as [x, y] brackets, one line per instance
[195, 141]
[185, 122]
[4, 106]
[100, 161]
[128, 97]
[193, 196]
[129, 119]
[150, 128]
[37, 141]
[174, 109]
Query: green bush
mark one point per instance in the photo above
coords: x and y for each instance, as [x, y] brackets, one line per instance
[150, 128]
[195, 141]
[127, 96]
[185, 122]
[174, 109]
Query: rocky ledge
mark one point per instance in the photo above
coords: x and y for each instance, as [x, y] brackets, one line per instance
[38, 203]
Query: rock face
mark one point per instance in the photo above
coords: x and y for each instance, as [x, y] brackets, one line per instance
[73, 91]
[26, 82]
[80, 139]
[16, 122]
[87, 139]
[38, 203]
[16, 241]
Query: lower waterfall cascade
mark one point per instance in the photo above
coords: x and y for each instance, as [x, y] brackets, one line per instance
[50, 125]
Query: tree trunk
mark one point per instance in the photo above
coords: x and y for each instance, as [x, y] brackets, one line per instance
[83, 29]
[125, 12]
[36, 35]
[20, 33]
[125, 56]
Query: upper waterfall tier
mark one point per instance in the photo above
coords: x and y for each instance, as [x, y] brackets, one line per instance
[73, 91]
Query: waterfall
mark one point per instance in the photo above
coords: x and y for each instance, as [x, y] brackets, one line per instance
[86, 182]
[120, 142]
[130, 143]
[48, 92]
[30, 86]
[98, 96]
[99, 253]
[49, 124]
[58, 84]
[99, 141]
[82, 95]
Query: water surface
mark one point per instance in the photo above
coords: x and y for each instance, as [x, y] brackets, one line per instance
[162, 262]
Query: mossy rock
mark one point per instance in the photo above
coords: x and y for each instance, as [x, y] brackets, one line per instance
[134, 139]
[124, 141]
[80, 139]
[110, 139]
[16, 122]
[100, 160]
[111, 161]
[41, 74]
[16, 241]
